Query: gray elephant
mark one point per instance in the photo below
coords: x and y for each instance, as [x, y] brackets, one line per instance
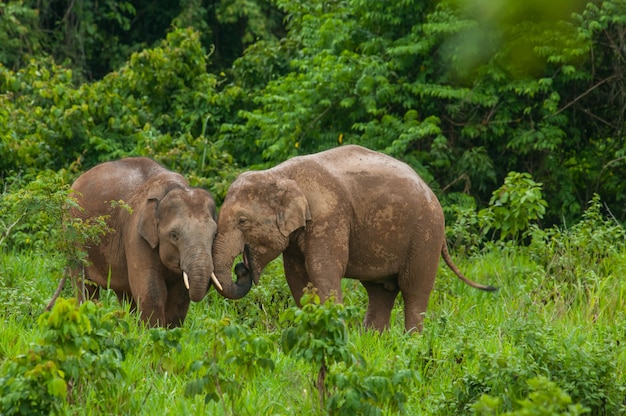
[158, 254]
[346, 212]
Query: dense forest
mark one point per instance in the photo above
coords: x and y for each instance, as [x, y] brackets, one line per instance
[464, 91]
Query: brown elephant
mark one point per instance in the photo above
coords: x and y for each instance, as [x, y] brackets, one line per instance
[346, 212]
[158, 254]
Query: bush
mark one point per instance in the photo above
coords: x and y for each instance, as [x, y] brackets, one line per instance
[546, 398]
[234, 356]
[589, 245]
[31, 212]
[575, 363]
[467, 229]
[345, 382]
[81, 347]
[512, 210]
[515, 205]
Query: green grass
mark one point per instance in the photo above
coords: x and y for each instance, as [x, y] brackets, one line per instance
[567, 327]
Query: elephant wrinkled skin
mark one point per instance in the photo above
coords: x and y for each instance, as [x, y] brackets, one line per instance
[164, 239]
[346, 212]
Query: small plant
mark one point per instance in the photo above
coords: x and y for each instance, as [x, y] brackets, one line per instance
[515, 205]
[546, 398]
[512, 209]
[345, 382]
[320, 334]
[164, 343]
[576, 364]
[588, 245]
[358, 389]
[31, 210]
[467, 232]
[80, 348]
[235, 356]
[33, 214]
[31, 384]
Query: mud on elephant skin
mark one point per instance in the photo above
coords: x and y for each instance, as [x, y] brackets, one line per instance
[346, 212]
[158, 254]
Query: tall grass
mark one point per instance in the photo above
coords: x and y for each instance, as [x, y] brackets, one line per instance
[559, 314]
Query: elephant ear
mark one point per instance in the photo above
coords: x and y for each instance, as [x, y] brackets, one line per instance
[147, 225]
[293, 208]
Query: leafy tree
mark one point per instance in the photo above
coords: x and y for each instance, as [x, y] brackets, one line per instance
[465, 91]
[97, 37]
[162, 103]
[20, 38]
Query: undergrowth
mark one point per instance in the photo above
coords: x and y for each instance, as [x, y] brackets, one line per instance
[550, 341]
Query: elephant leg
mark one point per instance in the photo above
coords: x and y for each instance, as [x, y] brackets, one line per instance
[326, 266]
[323, 268]
[380, 304]
[177, 305]
[152, 312]
[416, 286]
[296, 276]
[146, 280]
[150, 295]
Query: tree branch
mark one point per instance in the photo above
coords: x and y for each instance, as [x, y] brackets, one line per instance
[593, 87]
[7, 230]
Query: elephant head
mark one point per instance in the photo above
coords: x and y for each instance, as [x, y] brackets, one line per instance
[260, 212]
[181, 223]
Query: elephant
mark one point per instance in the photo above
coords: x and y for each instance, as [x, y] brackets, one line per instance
[158, 252]
[347, 212]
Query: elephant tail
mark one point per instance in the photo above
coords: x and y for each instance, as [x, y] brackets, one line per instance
[452, 266]
[56, 294]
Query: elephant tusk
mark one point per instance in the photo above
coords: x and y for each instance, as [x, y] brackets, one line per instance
[186, 279]
[216, 282]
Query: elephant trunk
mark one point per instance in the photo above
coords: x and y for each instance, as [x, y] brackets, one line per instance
[198, 289]
[197, 272]
[224, 255]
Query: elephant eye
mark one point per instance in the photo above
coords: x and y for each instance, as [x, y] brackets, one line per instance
[174, 236]
[242, 221]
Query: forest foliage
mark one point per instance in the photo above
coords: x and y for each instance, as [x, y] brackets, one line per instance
[465, 91]
[513, 111]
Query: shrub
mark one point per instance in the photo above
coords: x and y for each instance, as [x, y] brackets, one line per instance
[360, 389]
[234, 356]
[33, 215]
[546, 398]
[578, 364]
[568, 253]
[31, 209]
[345, 382]
[467, 230]
[515, 205]
[80, 348]
[511, 212]
[319, 334]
